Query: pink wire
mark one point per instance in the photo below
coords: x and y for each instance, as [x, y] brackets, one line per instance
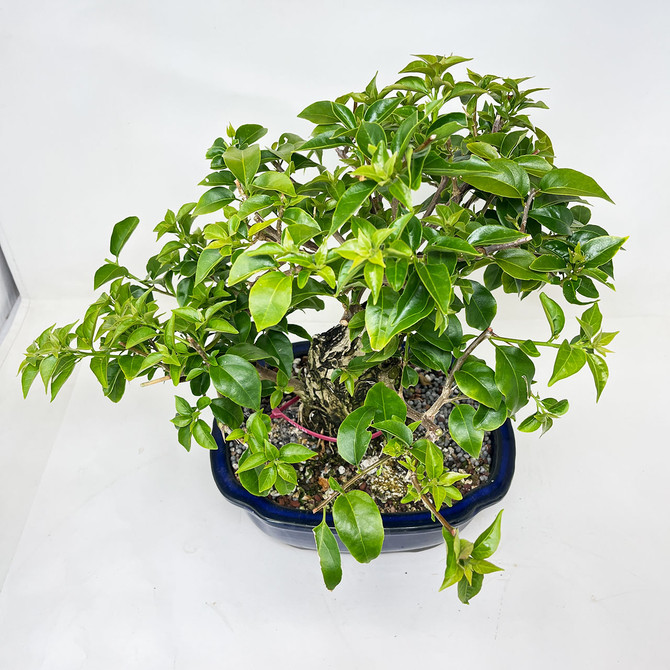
[277, 413]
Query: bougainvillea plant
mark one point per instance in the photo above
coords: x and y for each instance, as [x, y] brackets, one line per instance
[412, 206]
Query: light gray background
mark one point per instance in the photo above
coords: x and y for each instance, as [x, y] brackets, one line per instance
[116, 547]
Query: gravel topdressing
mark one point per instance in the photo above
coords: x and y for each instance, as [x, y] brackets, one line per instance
[388, 485]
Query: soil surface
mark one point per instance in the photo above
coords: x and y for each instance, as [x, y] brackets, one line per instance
[388, 485]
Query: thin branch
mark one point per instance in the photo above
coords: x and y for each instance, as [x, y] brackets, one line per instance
[351, 482]
[201, 352]
[426, 501]
[425, 143]
[444, 182]
[394, 207]
[497, 124]
[507, 245]
[429, 415]
[526, 210]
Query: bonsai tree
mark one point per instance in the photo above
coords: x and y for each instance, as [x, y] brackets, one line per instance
[411, 205]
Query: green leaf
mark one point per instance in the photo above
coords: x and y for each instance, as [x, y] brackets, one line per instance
[548, 263]
[516, 263]
[238, 380]
[488, 541]
[243, 163]
[182, 406]
[599, 371]
[207, 261]
[107, 272]
[250, 133]
[482, 308]
[503, 178]
[353, 437]
[569, 360]
[395, 428]
[380, 109]
[446, 243]
[489, 419]
[130, 364]
[270, 298]
[213, 200]
[463, 431]
[325, 112]
[359, 525]
[434, 462]
[477, 381]
[28, 377]
[483, 150]
[301, 225]
[466, 592]
[279, 347]
[493, 234]
[599, 250]
[61, 374]
[386, 403]
[350, 201]
[374, 276]
[227, 412]
[116, 382]
[554, 314]
[47, 367]
[245, 266]
[329, 555]
[121, 234]
[295, 453]
[514, 374]
[203, 436]
[564, 181]
[453, 572]
[275, 181]
[142, 334]
[437, 279]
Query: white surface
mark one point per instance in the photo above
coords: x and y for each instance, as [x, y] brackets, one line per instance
[107, 108]
[116, 549]
[121, 552]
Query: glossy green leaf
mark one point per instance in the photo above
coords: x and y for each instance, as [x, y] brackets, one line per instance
[359, 525]
[62, 373]
[434, 462]
[245, 266]
[396, 429]
[141, 334]
[492, 234]
[503, 178]
[487, 542]
[243, 163]
[28, 377]
[250, 133]
[295, 453]
[213, 200]
[386, 403]
[569, 360]
[121, 234]
[107, 272]
[453, 572]
[437, 279]
[227, 412]
[548, 263]
[600, 250]
[482, 308]
[564, 181]
[275, 181]
[269, 299]
[489, 419]
[329, 555]
[350, 201]
[353, 436]
[514, 375]
[600, 372]
[116, 382]
[466, 592]
[477, 381]
[203, 436]
[554, 314]
[238, 380]
[463, 431]
[516, 263]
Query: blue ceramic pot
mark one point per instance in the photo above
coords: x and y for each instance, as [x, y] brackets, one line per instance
[402, 532]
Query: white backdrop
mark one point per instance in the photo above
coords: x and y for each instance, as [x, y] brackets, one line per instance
[107, 108]
[118, 550]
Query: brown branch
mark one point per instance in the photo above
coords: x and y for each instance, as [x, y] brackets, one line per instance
[444, 182]
[429, 415]
[394, 207]
[201, 352]
[426, 501]
[526, 210]
[507, 245]
[425, 143]
[271, 375]
[351, 482]
[497, 124]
